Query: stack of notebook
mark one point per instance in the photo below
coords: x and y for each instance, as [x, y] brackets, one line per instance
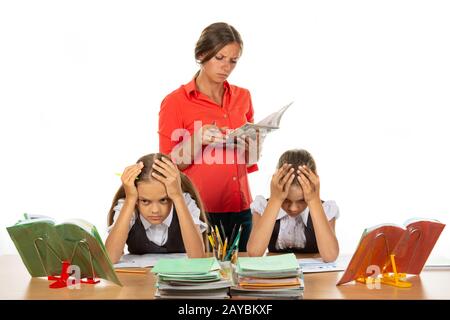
[184, 278]
[273, 277]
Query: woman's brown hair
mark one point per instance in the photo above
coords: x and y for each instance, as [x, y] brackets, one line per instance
[146, 174]
[297, 157]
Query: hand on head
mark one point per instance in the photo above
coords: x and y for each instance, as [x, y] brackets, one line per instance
[128, 179]
[281, 182]
[166, 172]
[309, 182]
[284, 177]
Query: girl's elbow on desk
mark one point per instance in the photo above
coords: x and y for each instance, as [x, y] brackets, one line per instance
[252, 252]
[196, 255]
[114, 258]
[330, 256]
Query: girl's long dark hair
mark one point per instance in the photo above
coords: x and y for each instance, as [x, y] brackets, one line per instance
[146, 174]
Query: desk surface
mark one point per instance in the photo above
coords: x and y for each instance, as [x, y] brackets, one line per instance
[16, 283]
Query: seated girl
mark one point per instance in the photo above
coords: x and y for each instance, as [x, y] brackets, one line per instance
[294, 218]
[156, 210]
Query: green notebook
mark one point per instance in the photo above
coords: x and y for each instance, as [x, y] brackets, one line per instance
[43, 244]
[282, 262]
[186, 266]
[207, 277]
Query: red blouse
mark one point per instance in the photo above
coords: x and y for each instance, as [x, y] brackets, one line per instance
[223, 185]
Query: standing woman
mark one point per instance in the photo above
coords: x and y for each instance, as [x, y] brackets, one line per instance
[193, 123]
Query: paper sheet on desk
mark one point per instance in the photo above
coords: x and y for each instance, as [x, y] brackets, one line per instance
[310, 265]
[145, 260]
[437, 263]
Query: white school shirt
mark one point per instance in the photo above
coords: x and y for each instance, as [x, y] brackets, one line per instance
[157, 233]
[292, 229]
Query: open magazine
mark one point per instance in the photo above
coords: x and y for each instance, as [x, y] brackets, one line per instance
[268, 124]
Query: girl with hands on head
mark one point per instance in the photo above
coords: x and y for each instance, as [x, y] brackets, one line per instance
[294, 218]
[156, 210]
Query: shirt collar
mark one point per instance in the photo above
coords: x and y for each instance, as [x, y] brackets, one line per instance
[227, 87]
[191, 88]
[167, 221]
[304, 215]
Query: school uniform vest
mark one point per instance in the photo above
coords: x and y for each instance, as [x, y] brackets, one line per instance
[310, 243]
[138, 242]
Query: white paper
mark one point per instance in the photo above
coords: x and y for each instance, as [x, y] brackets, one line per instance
[145, 260]
[273, 120]
[266, 125]
[310, 265]
[437, 262]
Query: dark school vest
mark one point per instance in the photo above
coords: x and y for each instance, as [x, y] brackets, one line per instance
[310, 243]
[138, 243]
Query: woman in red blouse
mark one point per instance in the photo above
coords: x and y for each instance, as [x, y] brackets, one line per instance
[193, 124]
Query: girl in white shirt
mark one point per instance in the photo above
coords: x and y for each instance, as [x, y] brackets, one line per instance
[294, 219]
[156, 210]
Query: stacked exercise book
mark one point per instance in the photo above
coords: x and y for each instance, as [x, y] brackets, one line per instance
[269, 277]
[200, 278]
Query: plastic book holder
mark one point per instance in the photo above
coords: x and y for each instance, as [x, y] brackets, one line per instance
[61, 280]
[393, 278]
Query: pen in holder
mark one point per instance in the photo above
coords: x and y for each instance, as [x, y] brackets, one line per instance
[226, 250]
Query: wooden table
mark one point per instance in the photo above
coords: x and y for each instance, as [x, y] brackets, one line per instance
[16, 283]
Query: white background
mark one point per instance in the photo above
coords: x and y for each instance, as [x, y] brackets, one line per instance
[81, 84]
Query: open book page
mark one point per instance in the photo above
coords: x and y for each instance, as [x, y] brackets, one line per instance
[371, 229]
[32, 218]
[268, 124]
[312, 265]
[416, 219]
[273, 120]
[250, 130]
[145, 260]
[404, 226]
[83, 224]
